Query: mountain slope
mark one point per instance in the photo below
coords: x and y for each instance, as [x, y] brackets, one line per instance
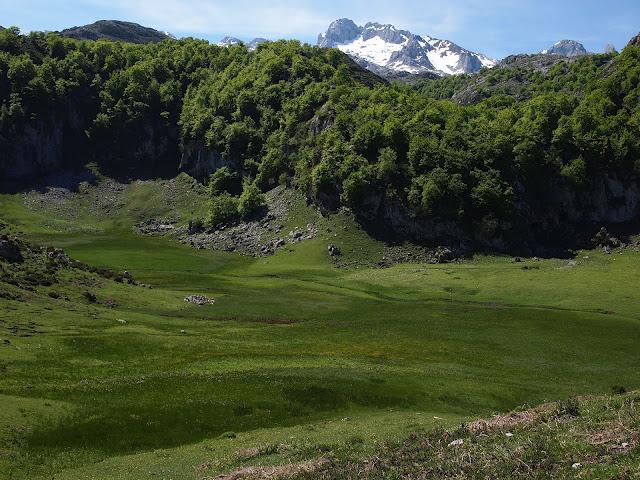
[116, 30]
[386, 50]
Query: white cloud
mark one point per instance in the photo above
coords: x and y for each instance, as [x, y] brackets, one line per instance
[240, 17]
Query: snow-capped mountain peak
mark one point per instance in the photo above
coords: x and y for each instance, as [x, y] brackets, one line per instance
[252, 45]
[228, 41]
[385, 49]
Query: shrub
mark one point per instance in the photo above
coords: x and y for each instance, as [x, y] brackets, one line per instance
[576, 172]
[251, 200]
[223, 208]
[223, 180]
[568, 408]
[618, 390]
[90, 297]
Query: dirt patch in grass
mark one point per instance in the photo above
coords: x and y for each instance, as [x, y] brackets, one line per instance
[268, 473]
[512, 419]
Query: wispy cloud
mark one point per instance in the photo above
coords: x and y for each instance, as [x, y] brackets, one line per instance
[240, 17]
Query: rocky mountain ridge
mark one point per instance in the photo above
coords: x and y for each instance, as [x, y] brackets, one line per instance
[116, 30]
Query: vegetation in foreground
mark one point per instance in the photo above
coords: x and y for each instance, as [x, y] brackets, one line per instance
[595, 438]
[105, 378]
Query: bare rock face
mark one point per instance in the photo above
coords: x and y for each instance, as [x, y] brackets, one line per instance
[33, 153]
[635, 41]
[200, 163]
[340, 31]
[567, 48]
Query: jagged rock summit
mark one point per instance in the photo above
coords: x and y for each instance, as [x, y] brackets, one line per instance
[566, 48]
[387, 50]
[118, 31]
[635, 41]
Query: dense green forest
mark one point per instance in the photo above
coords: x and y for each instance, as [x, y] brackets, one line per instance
[502, 170]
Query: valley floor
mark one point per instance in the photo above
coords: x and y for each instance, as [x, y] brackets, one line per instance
[296, 360]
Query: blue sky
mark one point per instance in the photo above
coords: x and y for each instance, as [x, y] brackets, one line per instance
[494, 27]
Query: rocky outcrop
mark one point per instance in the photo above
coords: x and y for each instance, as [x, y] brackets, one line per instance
[200, 163]
[36, 151]
[116, 30]
[566, 48]
[565, 218]
[10, 249]
[635, 41]
[340, 31]
[199, 300]
[42, 146]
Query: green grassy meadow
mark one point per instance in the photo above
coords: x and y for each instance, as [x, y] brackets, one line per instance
[295, 352]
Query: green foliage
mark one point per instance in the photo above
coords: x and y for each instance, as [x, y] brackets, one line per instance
[568, 408]
[223, 208]
[251, 200]
[576, 172]
[223, 180]
[293, 114]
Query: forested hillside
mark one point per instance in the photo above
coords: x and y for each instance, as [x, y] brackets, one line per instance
[509, 171]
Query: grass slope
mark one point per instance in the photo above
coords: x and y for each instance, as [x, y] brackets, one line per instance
[294, 352]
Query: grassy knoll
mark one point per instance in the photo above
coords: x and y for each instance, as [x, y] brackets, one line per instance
[296, 358]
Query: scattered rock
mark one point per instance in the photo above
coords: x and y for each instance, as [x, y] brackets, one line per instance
[121, 322]
[58, 256]
[155, 226]
[260, 236]
[129, 278]
[517, 260]
[199, 300]
[603, 239]
[576, 466]
[457, 443]
[195, 226]
[334, 251]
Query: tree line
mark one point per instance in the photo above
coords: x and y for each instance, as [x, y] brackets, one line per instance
[293, 114]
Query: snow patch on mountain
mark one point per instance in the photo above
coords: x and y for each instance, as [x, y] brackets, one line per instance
[385, 48]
